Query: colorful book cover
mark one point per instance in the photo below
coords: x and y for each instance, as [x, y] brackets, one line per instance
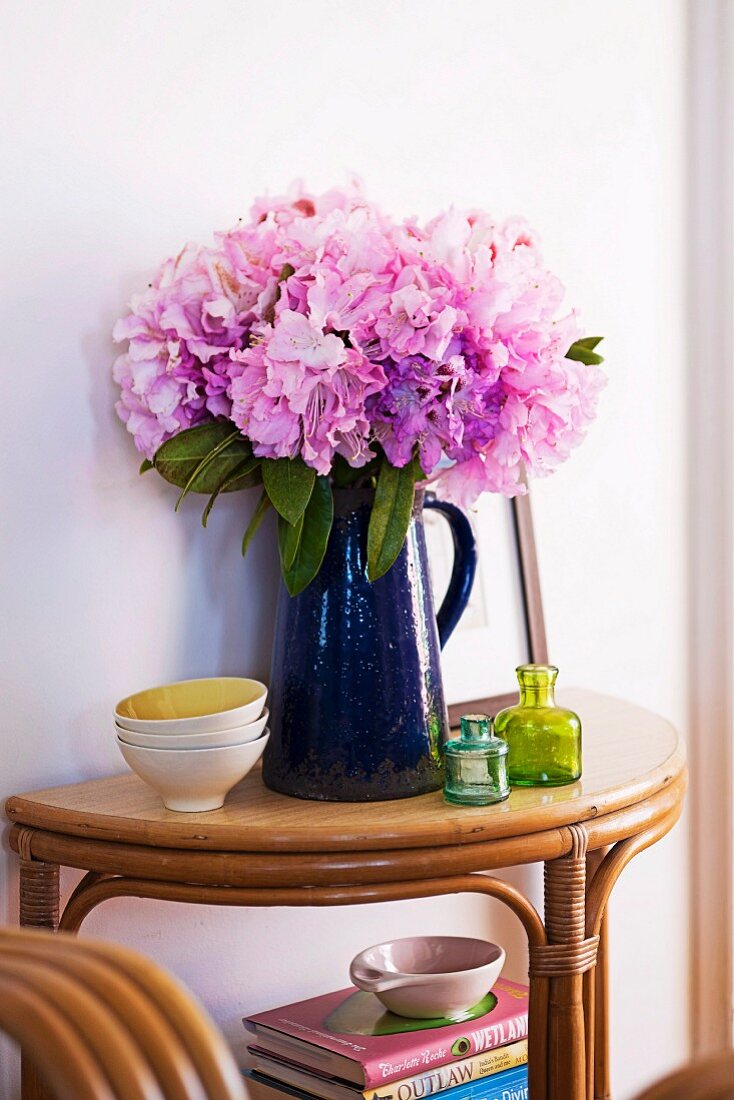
[350, 1035]
[511, 1084]
[418, 1087]
[447, 1077]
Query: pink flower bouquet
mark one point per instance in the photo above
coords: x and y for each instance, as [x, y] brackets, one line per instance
[322, 343]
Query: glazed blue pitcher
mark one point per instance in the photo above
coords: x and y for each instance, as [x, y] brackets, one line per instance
[357, 709]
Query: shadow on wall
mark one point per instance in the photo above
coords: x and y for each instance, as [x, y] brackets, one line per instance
[229, 611]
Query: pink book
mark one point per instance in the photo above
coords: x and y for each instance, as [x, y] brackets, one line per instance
[349, 1034]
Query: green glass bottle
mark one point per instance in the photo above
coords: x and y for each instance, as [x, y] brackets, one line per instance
[544, 740]
[476, 764]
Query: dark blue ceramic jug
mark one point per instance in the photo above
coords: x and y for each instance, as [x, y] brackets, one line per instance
[357, 710]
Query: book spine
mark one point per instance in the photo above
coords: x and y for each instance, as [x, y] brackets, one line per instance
[511, 1084]
[434, 1053]
[508, 1085]
[428, 1083]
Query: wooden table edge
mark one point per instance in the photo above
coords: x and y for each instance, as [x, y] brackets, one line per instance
[189, 831]
[303, 869]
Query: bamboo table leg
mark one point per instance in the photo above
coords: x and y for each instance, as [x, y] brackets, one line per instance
[39, 908]
[602, 1085]
[565, 960]
[565, 896]
[596, 1003]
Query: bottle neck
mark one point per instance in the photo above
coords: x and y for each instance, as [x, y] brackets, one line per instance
[537, 695]
[537, 684]
[476, 728]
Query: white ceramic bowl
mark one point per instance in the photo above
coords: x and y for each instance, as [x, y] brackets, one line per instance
[193, 706]
[213, 740]
[429, 977]
[193, 780]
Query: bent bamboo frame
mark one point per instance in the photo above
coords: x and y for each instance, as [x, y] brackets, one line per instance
[567, 953]
[94, 889]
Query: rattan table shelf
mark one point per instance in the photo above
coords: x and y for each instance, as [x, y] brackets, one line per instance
[265, 849]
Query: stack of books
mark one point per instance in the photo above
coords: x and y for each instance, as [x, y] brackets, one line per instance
[345, 1046]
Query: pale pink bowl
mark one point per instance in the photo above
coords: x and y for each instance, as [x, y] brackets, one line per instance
[428, 977]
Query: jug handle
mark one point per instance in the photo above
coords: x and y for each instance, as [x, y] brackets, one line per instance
[463, 572]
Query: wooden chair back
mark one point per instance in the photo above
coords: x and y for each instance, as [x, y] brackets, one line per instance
[99, 1022]
[712, 1079]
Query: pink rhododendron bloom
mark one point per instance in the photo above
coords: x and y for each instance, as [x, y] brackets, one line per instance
[322, 328]
[300, 391]
[179, 334]
[296, 339]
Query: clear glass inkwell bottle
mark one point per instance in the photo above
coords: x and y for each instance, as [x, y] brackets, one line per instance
[476, 764]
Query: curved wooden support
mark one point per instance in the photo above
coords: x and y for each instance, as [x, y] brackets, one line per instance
[95, 889]
[102, 1023]
[615, 862]
[608, 830]
[68, 921]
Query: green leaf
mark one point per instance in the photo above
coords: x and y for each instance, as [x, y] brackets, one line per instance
[257, 517]
[583, 351]
[590, 342]
[179, 457]
[309, 553]
[250, 477]
[206, 461]
[390, 516]
[242, 472]
[289, 483]
[146, 465]
[289, 538]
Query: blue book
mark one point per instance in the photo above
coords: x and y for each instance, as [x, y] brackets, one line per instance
[510, 1084]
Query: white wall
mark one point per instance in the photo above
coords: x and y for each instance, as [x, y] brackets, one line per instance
[133, 126]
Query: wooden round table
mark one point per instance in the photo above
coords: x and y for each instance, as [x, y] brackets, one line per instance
[265, 849]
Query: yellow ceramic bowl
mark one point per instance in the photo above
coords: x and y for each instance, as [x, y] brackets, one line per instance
[193, 706]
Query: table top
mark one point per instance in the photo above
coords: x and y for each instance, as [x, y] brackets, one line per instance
[629, 754]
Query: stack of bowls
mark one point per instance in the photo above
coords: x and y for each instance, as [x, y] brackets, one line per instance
[192, 741]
